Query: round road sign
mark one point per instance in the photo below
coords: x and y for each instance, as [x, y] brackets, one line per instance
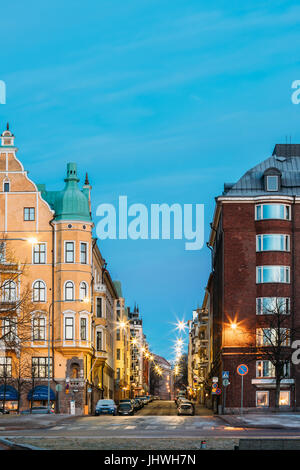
[242, 369]
[218, 391]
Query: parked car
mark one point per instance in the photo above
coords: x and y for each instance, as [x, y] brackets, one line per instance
[145, 400]
[106, 407]
[41, 410]
[3, 411]
[125, 408]
[156, 397]
[186, 408]
[181, 400]
[138, 404]
[150, 398]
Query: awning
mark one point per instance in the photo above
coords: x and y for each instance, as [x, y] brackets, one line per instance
[40, 393]
[10, 393]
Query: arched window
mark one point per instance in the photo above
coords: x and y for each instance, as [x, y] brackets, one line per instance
[9, 291]
[83, 294]
[69, 290]
[39, 291]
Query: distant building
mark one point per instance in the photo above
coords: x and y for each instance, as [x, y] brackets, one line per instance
[164, 384]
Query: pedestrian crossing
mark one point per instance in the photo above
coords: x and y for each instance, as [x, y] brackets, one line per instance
[133, 427]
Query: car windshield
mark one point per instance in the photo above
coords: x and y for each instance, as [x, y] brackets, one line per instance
[125, 405]
[105, 402]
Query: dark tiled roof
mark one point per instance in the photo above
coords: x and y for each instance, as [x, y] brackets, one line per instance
[286, 158]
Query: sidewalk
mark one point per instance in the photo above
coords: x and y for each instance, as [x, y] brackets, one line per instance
[264, 421]
[17, 422]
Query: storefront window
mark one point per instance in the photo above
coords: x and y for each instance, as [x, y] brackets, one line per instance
[262, 398]
[284, 398]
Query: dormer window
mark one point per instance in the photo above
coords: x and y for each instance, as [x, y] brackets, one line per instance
[272, 179]
[272, 183]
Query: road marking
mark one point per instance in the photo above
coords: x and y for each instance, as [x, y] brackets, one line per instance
[56, 428]
[130, 427]
[151, 427]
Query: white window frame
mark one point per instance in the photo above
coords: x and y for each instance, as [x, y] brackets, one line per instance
[68, 315]
[287, 274]
[260, 311]
[260, 369]
[4, 290]
[36, 317]
[268, 395]
[261, 337]
[286, 210]
[260, 242]
[65, 251]
[45, 287]
[86, 253]
[37, 244]
[84, 316]
[65, 297]
[272, 178]
[86, 289]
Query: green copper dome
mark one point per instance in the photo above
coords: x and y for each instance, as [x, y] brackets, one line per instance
[71, 203]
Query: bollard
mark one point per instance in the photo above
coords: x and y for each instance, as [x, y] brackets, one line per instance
[203, 444]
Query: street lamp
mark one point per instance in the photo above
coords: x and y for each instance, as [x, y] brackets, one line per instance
[85, 300]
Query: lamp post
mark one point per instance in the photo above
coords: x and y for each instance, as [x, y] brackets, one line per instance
[86, 300]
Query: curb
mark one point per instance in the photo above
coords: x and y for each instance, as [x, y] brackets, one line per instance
[14, 446]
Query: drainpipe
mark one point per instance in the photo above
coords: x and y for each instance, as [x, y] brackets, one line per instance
[53, 294]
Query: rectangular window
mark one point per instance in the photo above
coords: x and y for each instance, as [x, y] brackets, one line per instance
[29, 213]
[99, 338]
[271, 337]
[272, 242]
[272, 183]
[272, 274]
[83, 253]
[272, 211]
[83, 329]
[40, 367]
[118, 335]
[262, 398]
[273, 305]
[118, 374]
[69, 328]
[69, 252]
[2, 252]
[9, 329]
[118, 354]
[39, 253]
[284, 398]
[265, 369]
[6, 187]
[5, 366]
[39, 329]
[99, 307]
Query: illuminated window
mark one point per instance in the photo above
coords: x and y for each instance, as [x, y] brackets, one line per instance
[262, 398]
[284, 398]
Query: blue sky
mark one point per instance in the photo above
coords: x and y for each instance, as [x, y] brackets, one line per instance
[158, 100]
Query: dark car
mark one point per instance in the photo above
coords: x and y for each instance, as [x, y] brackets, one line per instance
[41, 410]
[3, 411]
[125, 409]
[145, 400]
[137, 404]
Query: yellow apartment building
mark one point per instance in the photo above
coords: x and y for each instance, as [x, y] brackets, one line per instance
[55, 280]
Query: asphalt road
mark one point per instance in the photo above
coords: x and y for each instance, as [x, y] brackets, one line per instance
[168, 408]
[155, 421]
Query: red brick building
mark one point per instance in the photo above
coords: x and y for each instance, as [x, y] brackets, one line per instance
[255, 243]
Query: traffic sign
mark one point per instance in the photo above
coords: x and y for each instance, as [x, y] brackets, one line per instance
[215, 379]
[225, 374]
[215, 385]
[218, 391]
[226, 382]
[242, 369]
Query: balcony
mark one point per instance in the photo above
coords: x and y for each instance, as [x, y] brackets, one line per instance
[99, 288]
[101, 354]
